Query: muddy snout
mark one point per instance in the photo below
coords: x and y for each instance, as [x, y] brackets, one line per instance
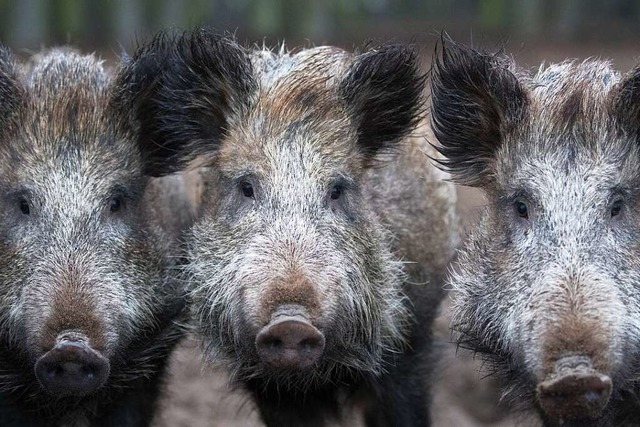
[574, 390]
[72, 367]
[289, 340]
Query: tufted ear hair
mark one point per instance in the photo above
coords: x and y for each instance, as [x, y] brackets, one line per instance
[476, 100]
[625, 99]
[11, 90]
[383, 90]
[180, 92]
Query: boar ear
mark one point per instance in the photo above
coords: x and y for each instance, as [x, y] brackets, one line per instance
[626, 103]
[11, 91]
[475, 99]
[181, 92]
[383, 89]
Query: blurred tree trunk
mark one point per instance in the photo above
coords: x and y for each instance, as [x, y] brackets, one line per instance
[528, 16]
[98, 30]
[130, 25]
[29, 23]
[173, 14]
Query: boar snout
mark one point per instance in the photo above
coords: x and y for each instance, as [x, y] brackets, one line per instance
[72, 367]
[289, 340]
[574, 390]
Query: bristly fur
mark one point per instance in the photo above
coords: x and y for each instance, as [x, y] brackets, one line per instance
[385, 96]
[10, 91]
[626, 104]
[70, 261]
[561, 279]
[306, 125]
[476, 98]
[220, 84]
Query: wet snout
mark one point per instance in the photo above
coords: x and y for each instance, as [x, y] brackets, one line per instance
[289, 340]
[72, 367]
[574, 390]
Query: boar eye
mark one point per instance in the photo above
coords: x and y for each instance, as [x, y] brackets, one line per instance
[115, 204]
[24, 207]
[616, 208]
[522, 210]
[336, 192]
[247, 189]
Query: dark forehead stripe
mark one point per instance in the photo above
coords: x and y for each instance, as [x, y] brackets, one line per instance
[64, 118]
[67, 105]
[573, 102]
[572, 107]
[305, 88]
[67, 94]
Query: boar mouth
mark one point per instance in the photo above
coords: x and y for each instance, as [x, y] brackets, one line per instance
[574, 390]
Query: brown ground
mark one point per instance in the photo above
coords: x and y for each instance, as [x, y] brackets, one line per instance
[198, 397]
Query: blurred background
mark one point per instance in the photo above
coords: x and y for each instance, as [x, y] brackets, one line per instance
[108, 26]
[532, 30]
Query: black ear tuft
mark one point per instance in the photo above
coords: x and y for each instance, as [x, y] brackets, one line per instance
[180, 93]
[11, 91]
[383, 89]
[626, 103]
[476, 98]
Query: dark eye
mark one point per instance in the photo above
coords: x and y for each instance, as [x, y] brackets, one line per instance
[616, 208]
[115, 204]
[24, 207]
[336, 192]
[522, 210]
[247, 189]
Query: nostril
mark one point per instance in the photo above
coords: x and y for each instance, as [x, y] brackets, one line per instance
[308, 344]
[593, 395]
[274, 343]
[88, 371]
